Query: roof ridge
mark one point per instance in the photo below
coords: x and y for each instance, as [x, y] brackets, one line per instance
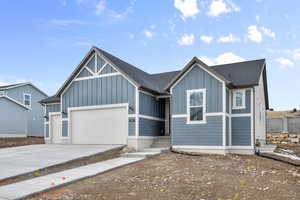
[246, 61]
[165, 72]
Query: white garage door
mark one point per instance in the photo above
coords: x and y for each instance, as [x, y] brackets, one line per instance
[99, 126]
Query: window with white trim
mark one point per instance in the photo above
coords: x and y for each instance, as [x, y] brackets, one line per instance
[239, 99]
[27, 100]
[2, 93]
[196, 106]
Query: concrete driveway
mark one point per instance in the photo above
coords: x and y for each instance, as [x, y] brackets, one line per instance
[21, 160]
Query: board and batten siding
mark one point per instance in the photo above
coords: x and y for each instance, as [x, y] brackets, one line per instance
[241, 131]
[197, 78]
[52, 108]
[150, 106]
[209, 133]
[101, 91]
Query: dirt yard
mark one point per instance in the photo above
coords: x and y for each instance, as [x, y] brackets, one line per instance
[176, 176]
[14, 142]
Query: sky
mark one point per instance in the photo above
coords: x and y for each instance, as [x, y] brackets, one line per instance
[43, 41]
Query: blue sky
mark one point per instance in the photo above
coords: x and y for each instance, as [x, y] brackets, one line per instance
[43, 41]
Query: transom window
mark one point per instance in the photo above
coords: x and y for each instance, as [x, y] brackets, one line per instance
[196, 106]
[239, 99]
[27, 99]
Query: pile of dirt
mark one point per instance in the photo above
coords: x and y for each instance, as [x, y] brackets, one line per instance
[177, 176]
[14, 142]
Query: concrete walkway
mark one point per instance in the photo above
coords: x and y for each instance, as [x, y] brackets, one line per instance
[16, 161]
[27, 188]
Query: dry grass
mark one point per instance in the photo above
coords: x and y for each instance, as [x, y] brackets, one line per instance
[280, 114]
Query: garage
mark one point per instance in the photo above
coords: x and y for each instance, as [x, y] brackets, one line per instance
[99, 124]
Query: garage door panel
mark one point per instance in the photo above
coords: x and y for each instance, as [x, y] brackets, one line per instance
[99, 126]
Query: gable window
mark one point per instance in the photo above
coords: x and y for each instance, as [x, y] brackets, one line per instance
[196, 106]
[239, 99]
[27, 100]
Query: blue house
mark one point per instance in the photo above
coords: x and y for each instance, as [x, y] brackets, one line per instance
[21, 114]
[210, 109]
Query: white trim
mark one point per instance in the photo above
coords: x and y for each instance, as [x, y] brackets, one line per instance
[46, 122]
[15, 101]
[131, 115]
[101, 69]
[75, 76]
[179, 116]
[27, 94]
[230, 112]
[147, 93]
[64, 119]
[252, 116]
[46, 104]
[137, 111]
[13, 135]
[224, 114]
[240, 147]
[185, 73]
[152, 118]
[243, 106]
[89, 70]
[214, 113]
[198, 147]
[188, 106]
[98, 76]
[107, 106]
[241, 115]
[96, 63]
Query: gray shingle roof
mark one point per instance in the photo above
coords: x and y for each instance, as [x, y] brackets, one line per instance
[52, 99]
[10, 85]
[240, 74]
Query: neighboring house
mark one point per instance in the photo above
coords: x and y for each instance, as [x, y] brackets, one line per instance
[217, 109]
[21, 114]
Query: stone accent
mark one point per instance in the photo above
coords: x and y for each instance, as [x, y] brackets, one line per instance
[283, 138]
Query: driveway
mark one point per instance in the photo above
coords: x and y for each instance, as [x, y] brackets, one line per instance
[21, 160]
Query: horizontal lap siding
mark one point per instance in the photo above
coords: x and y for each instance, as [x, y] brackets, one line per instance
[247, 102]
[150, 127]
[151, 107]
[99, 91]
[209, 134]
[197, 78]
[241, 131]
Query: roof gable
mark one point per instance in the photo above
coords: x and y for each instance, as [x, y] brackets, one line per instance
[11, 86]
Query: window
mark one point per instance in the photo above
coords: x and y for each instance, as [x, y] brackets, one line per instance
[27, 99]
[196, 106]
[239, 99]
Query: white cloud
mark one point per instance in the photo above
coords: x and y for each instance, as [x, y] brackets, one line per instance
[285, 63]
[206, 38]
[254, 34]
[218, 7]
[188, 8]
[148, 34]
[186, 40]
[225, 58]
[66, 22]
[100, 7]
[257, 18]
[268, 32]
[229, 38]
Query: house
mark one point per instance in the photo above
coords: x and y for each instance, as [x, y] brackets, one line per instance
[216, 109]
[21, 114]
